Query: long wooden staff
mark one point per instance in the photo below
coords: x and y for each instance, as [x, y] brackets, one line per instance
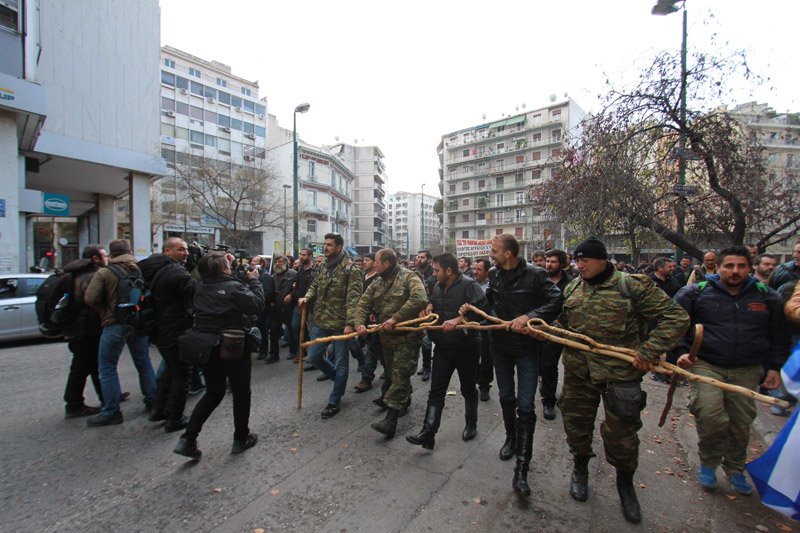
[673, 383]
[300, 353]
[423, 321]
[540, 328]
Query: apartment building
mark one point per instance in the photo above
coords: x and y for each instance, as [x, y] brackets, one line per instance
[369, 195]
[210, 119]
[491, 175]
[413, 225]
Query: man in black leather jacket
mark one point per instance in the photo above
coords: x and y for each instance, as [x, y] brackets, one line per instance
[518, 292]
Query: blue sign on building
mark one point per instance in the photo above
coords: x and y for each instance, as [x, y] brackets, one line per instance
[2, 208]
[55, 204]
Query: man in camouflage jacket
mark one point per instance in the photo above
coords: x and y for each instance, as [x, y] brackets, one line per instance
[334, 292]
[613, 308]
[398, 295]
[425, 271]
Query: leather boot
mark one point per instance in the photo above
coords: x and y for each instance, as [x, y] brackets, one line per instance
[426, 437]
[471, 419]
[579, 482]
[524, 454]
[627, 497]
[510, 421]
[388, 425]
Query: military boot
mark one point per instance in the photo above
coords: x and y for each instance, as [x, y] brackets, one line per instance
[426, 437]
[579, 482]
[388, 425]
[510, 421]
[524, 454]
[471, 419]
[627, 497]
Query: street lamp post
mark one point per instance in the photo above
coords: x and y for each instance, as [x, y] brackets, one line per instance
[302, 108]
[421, 220]
[666, 7]
[285, 187]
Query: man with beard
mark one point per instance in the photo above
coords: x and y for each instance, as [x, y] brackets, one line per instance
[764, 267]
[555, 263]
[282, 310]
[425, 271]
[744, 330]
[663, 267]
[518, 292]
[173, 292]
[612, 308]
[485, 367]
[334, 293]
[301, 284]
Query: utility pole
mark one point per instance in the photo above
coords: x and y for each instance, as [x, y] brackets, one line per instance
[421, 221]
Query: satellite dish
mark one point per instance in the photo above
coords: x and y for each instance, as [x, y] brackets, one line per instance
[552, 98]
[336, 138]
[566, 94]
[523, 105]
[483, 117]
[516, 108]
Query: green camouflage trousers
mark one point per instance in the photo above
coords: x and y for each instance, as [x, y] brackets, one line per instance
[400, 356]
[723, 418]
[578, 403]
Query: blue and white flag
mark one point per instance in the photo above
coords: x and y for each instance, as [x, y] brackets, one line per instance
[776, 474]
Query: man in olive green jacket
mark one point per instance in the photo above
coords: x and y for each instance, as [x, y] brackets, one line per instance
[613, 308]
[396, 296]
[334, 291]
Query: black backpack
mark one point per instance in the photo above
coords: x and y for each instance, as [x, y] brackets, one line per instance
[55, 304]
[135, 306]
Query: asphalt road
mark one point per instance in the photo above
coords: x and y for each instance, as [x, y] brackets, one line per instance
[308, 474]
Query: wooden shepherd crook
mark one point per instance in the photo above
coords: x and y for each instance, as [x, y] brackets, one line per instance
[673, 383]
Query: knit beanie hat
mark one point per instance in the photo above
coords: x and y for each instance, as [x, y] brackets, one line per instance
[592, 248]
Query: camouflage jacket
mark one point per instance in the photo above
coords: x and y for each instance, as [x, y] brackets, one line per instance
[618, 312]
[399, 296]
[335, 295]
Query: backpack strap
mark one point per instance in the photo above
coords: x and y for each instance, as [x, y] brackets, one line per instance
[117, 271]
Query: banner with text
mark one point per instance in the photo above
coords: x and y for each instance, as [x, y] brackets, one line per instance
[473, 248]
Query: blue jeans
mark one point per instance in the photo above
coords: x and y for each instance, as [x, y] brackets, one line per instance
[113, 339]
[526, 362]
[338, 372]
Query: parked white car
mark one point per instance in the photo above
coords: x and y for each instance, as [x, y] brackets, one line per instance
[18, 306]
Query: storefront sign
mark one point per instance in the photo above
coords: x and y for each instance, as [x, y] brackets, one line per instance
[55, 204]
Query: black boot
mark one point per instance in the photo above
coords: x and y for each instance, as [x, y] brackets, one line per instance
[524, 453]
[627, 497]
[510, 421]
[471, 419]
[579, 482]
[388, 425]
[404, 411]
[426, 437]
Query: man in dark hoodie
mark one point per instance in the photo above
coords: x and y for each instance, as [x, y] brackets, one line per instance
[101, 296]
[744, 331]
[84, 334]
[173, 291]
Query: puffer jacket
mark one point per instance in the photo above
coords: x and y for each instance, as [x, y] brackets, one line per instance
[741, 329]
[101, 295]
[173, 292]
[527, 292]
[225, 302]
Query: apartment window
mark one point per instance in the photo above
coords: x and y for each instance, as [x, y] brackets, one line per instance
[481, 184]
[236, 101]
[312, 168]
[236, 148]
[498, 182]
[196, 88]
[452, 219]
[246, 91]
[224, 121]
[211, 140]
[169, 62]
[536, 174]
[535, 156]
[465, 186]
[518, 232]
[465, 202]
[537, 137]
[194, 72]
[518, 215]
[249, 106]
[555, 152]
[520, 159]
[182, 133]
[167, 129]
[224, 146]
[481, 216]
[222, 83]
[556, 134]
[167, 104]
[466, 168]
[248, 127]
[452, 188]
[196, 112]
[260, 109]
[773, 158]
[236, 124]
[519, 197]
[465, 234]
[196, 137]
[209, 92]
[333, 178]
[168, 78]
[518, 178]
[498, 231]
[224, 98]
[498, 217]
[500, 146]
[465, 217]
[499, 164]
[210, 116]
[481, 151]
[181, 83]
[311, 226]
[498, 199]
[311, 197]
[556, 114]
[481, 233]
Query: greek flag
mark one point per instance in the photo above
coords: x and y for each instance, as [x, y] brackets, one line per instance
[776, 474]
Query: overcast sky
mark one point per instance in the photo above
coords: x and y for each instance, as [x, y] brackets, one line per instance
[401, 74]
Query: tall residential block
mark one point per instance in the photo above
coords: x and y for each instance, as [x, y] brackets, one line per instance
[413, 225]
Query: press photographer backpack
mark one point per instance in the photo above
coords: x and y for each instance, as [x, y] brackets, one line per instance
[135, 306]
[55, 303]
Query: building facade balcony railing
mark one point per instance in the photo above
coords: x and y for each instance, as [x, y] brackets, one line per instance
[496, 152]
[460, 141]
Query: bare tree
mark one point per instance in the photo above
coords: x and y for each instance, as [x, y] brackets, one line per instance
[623, 172]
[240, 199]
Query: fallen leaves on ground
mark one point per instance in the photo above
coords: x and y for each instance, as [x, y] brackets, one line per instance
[275, 492]
[217, 489]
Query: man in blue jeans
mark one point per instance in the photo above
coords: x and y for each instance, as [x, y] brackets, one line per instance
[101, 296]
[334, 293]
[518, 292]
